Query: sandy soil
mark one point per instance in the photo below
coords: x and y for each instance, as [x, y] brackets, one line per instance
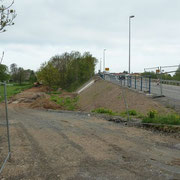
[108, 95]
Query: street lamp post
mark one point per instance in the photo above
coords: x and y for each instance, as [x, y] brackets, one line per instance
[130, 17]
[100, 64]
[104, 59]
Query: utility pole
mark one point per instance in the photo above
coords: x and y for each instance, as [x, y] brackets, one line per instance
[104, 59]
[100, 64]
[130, 17]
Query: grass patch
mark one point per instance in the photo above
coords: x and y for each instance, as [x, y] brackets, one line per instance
[104, 111]
[13, 89]
[132, 113]
[54, 92]
[67, 103]
[170, 119]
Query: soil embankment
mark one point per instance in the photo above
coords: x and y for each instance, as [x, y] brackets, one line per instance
[110, 96]
[101, 94]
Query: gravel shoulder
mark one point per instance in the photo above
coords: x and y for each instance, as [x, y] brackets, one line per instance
[52, 145]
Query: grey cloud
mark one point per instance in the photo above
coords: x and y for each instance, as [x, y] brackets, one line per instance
[98, 24]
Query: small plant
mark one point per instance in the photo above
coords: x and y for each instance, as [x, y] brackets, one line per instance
[132, 112]
[152, 113]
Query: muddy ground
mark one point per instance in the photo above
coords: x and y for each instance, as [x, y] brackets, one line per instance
[52, 145]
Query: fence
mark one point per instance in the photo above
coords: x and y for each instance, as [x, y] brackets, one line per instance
[135, 82]
[5, 149]
[156, 86]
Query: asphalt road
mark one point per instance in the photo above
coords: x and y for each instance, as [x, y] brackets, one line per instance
[51, 145]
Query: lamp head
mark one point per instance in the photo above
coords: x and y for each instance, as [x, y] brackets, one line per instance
[131, 16]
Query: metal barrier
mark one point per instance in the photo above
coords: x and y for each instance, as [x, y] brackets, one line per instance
[135, 82]
[158, 86]
[4, 128]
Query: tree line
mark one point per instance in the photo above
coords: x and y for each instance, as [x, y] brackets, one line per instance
[165, 76]
[16, 74]
[68, 70]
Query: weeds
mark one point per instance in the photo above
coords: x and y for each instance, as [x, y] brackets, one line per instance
[132, 113]
[67, 103]
[104, 111]
[154, 117]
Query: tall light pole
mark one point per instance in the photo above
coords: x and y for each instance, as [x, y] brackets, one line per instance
[100, 64]
[130, 17]
[104, 59]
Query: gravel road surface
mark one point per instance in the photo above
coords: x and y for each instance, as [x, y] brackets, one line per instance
[52, 145]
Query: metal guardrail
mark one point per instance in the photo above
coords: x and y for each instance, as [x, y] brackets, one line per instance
[4, 95]
[146, 84]
[171, 82]
[135, 82]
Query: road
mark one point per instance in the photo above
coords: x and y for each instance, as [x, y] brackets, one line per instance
[170, 91]
[52, 145]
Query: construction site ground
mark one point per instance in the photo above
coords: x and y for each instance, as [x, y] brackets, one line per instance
[76, 145]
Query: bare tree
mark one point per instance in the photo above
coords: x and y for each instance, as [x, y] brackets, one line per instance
[7, 15]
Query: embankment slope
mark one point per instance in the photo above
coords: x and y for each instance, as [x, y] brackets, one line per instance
[110, 96]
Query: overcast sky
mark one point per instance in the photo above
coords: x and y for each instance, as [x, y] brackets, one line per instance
[44, 28]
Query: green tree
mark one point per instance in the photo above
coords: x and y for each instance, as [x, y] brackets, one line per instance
[14, 72]
[32, 77]
[4, 74]
[74, 68]
[21, 75]
[48, 75]
[68, 70]
[177, 74]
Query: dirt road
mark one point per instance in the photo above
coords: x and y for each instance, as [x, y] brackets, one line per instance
[51, 145]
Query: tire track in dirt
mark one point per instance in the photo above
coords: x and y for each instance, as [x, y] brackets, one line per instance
[85, 162]
[36, 157]
[78, 134]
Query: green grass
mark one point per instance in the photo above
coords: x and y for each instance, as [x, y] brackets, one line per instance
[13, 89]
[67, 103]
[171, 119]
[104, 111]
[54, 92]
[132, 113]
